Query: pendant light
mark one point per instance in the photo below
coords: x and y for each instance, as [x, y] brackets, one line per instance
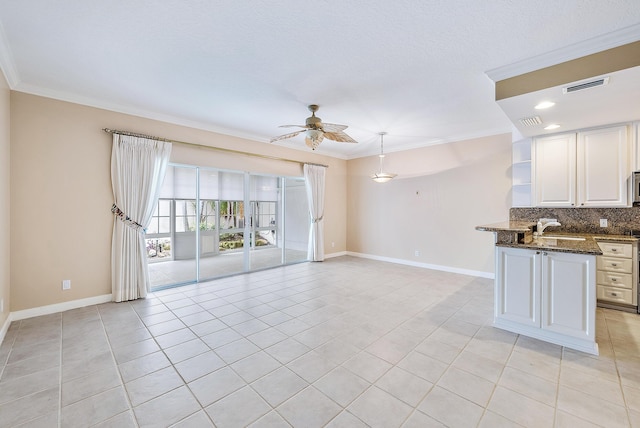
[382, 177]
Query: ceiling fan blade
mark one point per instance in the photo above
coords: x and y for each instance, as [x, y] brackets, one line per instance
[293, 126]
[285, 136]
[339, 136]
[332, 127]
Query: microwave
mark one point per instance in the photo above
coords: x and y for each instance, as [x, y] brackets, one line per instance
[636, 188]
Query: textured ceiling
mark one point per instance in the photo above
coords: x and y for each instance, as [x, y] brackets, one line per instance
[413, 68]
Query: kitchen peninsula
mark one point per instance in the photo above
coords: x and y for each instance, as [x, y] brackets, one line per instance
[545, 288]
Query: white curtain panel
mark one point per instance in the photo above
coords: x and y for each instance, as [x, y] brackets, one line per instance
[138, 166]
[314, 183]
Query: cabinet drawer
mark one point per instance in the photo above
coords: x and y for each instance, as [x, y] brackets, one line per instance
[612, 294]
[616, 249]
[614, 264]
[624, 280]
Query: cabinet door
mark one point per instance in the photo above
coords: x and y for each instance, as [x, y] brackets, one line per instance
[602, 167]
[517, 294]
[554, 171]
[568, 294]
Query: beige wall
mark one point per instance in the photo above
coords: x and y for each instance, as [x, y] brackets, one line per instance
[61, 192]
[5, 227]
[61, 197]
[441, 193]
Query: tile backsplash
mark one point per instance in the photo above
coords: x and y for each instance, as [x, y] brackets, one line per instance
[584, 220]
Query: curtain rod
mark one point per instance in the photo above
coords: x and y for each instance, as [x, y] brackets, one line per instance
[202, 146]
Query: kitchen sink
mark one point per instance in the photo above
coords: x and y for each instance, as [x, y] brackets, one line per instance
[566, 238]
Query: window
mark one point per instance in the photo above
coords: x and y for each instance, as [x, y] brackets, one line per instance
[185, 216]
[265, 214]
[231, 214]
[207, 215]
[161, 220]
[158, 236]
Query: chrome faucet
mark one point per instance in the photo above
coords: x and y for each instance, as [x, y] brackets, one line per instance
[543, 223]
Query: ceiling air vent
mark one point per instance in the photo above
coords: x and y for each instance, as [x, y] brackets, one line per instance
[531, 121]
[585, 85]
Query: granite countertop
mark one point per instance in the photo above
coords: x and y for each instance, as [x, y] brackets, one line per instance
[507, 226]
[588, 246]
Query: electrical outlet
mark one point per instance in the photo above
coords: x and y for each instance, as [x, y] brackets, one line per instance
[417, 253]
[333, 244]
[1, 305]
[66, 284]
[604, 222]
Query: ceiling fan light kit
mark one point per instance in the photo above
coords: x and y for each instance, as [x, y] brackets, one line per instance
[313, 138]
[382, 177]
[316, 131]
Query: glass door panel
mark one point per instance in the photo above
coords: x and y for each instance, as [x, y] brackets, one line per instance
[227, 255]
[295, 233]
[265, 203]
[176, 230]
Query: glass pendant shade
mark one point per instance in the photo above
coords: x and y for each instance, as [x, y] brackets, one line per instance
[313, 138]
[382, 177]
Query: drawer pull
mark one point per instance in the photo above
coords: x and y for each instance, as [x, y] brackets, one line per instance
[614, 249]
[614, 264]
[614, 279]
[614, 294]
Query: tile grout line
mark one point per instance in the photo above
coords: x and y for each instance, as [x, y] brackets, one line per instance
[618, 378]
[60, 372]
[113, 358]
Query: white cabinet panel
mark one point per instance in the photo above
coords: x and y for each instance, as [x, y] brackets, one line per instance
[614, 264]
[518, 286]
[602, 167]
[616, 249]
[616, 295]
[550, 296]
[554, 171]
[587, 169]
[616, 278]
[569, 304]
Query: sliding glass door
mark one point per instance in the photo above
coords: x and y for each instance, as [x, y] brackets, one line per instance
[211, 223]
[264, 198]
[171, 238]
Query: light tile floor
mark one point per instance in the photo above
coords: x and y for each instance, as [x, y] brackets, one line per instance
[344, 343]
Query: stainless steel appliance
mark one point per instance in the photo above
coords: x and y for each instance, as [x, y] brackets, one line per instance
[636, 188]
[636, 233]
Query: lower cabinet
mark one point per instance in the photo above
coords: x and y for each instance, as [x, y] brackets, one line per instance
[547, 295]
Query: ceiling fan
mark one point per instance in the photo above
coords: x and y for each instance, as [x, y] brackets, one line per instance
[316, 131]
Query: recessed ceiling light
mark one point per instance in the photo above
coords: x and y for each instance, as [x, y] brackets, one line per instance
[544, 104]
[552, 126]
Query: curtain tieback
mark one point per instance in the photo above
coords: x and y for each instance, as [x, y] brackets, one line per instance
[126, 220]
[317, 220]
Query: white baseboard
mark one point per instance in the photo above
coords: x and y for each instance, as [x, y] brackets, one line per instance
[332, 255]
[5, 328]
[481, 274]
[59, 307]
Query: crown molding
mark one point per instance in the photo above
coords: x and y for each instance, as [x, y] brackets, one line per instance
[577, 50]
[7, 64]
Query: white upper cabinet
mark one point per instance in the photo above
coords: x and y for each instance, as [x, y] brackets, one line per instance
[635, 166]
[587, 169]
[554, 171]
